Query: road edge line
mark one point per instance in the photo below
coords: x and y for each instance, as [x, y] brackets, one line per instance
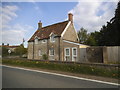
[61, 75]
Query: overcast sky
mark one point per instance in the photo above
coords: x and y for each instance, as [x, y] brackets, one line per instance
[20, 19]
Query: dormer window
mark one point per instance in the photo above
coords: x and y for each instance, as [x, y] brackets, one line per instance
[36, 40]
[52, 38]
[44, 41]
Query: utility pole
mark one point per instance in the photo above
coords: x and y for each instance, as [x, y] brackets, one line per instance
[23, 41]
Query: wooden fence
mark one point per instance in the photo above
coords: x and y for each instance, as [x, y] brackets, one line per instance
[100, 54]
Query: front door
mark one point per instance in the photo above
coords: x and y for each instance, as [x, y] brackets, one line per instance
[67, 54]
[74, 54]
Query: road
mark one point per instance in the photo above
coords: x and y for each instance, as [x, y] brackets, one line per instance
[18, 78]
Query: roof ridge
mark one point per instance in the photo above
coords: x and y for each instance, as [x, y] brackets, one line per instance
[54, 24]
[44, 32]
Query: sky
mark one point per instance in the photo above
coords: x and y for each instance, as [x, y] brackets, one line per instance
[20, 19]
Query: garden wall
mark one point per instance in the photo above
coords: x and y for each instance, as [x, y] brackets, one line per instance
[100, 54]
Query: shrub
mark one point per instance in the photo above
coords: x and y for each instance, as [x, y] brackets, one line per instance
[45, 57]
[4, 51]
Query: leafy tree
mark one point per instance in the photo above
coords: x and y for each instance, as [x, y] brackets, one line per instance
[21, 50]
[92, 39]
[109, 34]
[88, 38]
[116, 25]
[82, 34]
[4, 51]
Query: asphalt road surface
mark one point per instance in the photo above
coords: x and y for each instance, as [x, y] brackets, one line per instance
[18, 78]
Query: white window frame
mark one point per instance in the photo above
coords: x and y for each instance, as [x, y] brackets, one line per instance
[65, 51]
[50, 52]
[36, 40]
[52, 36]
[44, 40]
[73, 53]
[40, 53]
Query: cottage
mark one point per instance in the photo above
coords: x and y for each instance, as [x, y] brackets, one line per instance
[58, 41]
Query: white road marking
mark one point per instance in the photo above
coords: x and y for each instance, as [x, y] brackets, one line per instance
[62, 75]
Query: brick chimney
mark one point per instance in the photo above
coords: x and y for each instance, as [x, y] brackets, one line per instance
[70, 17]
[39, 25]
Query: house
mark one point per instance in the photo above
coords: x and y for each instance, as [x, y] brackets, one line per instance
[6, 49]
[58, 41]
[11, 48]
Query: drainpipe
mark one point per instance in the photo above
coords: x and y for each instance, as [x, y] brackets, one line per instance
[33, 49]
[48, 48]
[59, 48]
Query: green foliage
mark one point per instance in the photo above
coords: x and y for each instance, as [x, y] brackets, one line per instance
[82, 34]
[74, 68]
[88, 38]
[45, 57]
[4, 51]
[20, 50]
[107, 36]
[93, 39]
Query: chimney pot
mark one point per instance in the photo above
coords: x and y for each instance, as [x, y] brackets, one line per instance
[70, 17]
[39, 25]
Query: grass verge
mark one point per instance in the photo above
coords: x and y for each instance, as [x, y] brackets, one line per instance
[74, 68]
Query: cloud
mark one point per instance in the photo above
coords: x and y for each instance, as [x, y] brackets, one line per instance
[36, 7]
[8, 13]
[92, 15]
[12, 33]
[15, 33]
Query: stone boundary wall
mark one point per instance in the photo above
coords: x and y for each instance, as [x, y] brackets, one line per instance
[101, 54]
[94, 54]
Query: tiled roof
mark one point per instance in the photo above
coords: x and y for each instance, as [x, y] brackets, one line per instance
[44, 32]
[9, 46]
